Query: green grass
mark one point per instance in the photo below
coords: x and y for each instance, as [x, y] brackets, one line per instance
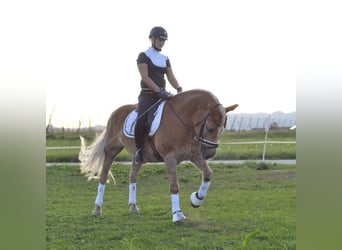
[224, 151]
[67, 139]
[255, 151]
[244, 209]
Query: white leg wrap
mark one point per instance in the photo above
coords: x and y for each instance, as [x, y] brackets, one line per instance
[132, 193]
[178, 217]
[202, 191]
[195, 201]
[99, 197]
[197, 198]
[175, 202]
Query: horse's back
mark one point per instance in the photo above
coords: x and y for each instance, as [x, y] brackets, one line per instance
[117, 118]
[120, 114]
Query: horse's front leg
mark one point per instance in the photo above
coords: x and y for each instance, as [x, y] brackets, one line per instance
[171, 168]
[133, 176]
[197, 198]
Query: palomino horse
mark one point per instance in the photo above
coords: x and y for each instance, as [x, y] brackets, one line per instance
[189, 130]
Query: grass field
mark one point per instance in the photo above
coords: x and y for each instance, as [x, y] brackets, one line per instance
[245, 209]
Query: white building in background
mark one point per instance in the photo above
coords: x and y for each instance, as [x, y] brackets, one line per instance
[246, 122]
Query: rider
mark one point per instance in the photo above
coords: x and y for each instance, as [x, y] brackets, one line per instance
[152, 66]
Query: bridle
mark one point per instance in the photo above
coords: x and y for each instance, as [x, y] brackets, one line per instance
[208, 143]
[205, 142]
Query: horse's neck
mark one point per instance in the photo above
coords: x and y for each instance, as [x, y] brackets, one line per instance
[191, 110]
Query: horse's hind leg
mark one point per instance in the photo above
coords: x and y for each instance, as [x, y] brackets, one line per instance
[133, 176]
[197, 198]
[110, 154]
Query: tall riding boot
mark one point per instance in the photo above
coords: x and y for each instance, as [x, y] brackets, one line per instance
[139, 142]
[138, 156]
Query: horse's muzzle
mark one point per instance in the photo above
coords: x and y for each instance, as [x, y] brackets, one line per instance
[208, 153]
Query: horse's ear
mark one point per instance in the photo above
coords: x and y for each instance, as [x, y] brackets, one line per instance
[231, 108]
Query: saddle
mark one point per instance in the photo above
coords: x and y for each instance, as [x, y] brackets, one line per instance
[153, 121]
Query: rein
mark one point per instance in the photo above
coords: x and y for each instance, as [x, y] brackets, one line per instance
[208, 143]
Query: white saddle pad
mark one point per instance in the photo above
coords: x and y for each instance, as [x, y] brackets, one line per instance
[131, 119]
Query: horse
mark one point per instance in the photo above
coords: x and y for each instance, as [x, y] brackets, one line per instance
[190, 126]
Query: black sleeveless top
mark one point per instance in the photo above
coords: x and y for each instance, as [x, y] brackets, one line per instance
[156, 66]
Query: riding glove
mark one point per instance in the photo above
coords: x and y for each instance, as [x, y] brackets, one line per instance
[164, 95]
[179, 89]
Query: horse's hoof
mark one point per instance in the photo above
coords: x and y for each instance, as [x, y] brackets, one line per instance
[178, 217]
[133, 209]
[195, 201]
[97, 211]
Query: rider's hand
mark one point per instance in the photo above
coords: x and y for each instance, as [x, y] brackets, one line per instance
[164, 95]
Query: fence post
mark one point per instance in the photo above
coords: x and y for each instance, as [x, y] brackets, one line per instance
[267, 127]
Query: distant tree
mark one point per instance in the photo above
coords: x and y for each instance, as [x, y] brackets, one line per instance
[89, 125]
[49, 126]
[79, 127]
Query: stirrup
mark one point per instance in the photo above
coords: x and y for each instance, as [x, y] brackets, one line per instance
[138, 156]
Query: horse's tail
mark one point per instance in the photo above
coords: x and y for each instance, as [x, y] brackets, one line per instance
[92, 157]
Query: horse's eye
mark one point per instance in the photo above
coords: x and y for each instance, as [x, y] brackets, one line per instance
[209, 129]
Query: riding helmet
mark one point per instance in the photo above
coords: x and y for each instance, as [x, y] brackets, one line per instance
[158, 32]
